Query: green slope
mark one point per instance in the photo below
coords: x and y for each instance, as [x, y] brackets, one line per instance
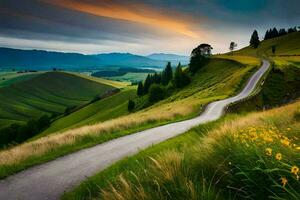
[47, 93]
[8, 78]
[285, 45]
[102, 110]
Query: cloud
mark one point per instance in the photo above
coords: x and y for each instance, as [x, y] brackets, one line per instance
[139, 26]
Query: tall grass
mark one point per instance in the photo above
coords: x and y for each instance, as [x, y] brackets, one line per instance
[255, 157]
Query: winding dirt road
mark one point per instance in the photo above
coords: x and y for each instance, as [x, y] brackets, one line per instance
[52, 179]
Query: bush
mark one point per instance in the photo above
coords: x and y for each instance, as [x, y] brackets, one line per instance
[17, 133]
[156, 93]
[131, 105]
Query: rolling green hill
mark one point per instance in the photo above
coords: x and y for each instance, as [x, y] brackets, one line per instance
[48, 93]
[285, 45]
[105, 109]
[8, 78]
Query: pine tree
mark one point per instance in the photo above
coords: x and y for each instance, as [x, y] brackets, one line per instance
[267, 35]
[178, 76]
[131, 105]
[254, 41]
[147, 84]
[282, 32]
[181, 79]
[167, 74]
[140, 89]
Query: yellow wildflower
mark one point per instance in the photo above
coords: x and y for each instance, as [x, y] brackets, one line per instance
[285, 142]
[278, 156]
[288, 129]
[298, 148]
[295, 170]
[269, 151]
[283, 181]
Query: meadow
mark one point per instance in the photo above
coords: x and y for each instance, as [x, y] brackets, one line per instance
[221, 78]
[8, 77]
[46, 93]
[254, 157]
[99, 111]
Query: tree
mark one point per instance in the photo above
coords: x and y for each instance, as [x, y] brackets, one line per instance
[167, 74]
[156, 93]
[140, 89]
[282, 32]
[157, 78]
[147, 84]
[199, 57]
[131, 105]
[232, 46]
[181, 79]
[273, 49]
[254, 41]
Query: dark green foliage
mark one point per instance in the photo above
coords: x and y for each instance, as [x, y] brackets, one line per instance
[273, 33]
[254, 41]
[131, 105]
[17, 133]
[181, 79]
[140, 89]
[157, 78]
[199, 57]
[147, 84]
[156, 93]
[282, 32]
[292, 30]
[167, 74]
[273, 49]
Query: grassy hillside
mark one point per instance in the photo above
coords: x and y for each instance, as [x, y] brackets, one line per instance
[250, 157]
[285, 45]
[48, 93]
[105, 109]
[219, 79]
[282, 84]
[8, 78]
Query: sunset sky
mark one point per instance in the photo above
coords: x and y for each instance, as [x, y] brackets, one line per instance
[139, 26]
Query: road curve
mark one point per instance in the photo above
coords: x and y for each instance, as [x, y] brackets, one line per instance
[52, 179]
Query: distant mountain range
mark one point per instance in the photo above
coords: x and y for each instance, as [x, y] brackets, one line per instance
[169, 57]
[42, 60]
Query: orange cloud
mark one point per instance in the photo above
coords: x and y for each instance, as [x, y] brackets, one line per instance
[135, 13]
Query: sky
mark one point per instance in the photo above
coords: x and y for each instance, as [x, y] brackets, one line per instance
[139, 26]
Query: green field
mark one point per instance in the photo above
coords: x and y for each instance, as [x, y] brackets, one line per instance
[105, 109]
[8, 78]
[46, 93]
[130, 77]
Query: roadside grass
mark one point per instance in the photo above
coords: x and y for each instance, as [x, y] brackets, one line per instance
[251, 157]
[218, 80]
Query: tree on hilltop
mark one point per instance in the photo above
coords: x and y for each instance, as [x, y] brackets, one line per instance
[254, 41]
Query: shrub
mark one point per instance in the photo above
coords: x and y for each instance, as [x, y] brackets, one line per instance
[131, 105]
[156, 93]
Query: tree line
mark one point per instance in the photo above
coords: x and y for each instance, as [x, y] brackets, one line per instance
[156, 86]
[271, 33]
[18, 133]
